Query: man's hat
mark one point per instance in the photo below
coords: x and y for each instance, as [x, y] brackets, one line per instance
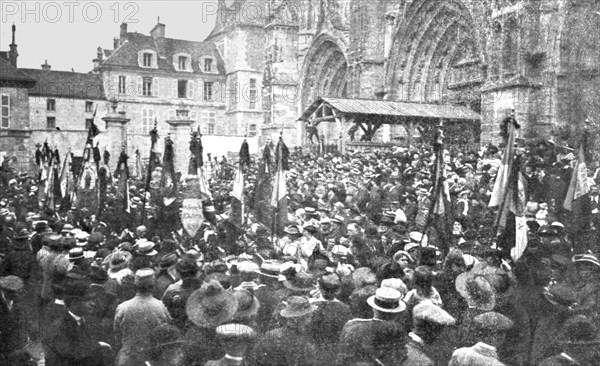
[560, 295]
[247, 267]
[66, 229]
[238, 332]
[54, 240]
[339, 219]
[146, 248]
[427, 311]
[297, 306]
[186, 267]
[397, 284]
[301, 282]
[118, 261]
[168, 261]
[22, 234]
[68, 241]
[248, 304]
[75, 254]
[493, 321]
[145, 277]
[11, 283]
[211, 305]
[291, 230]
[586, 259]
[387, 300]
[82, 238]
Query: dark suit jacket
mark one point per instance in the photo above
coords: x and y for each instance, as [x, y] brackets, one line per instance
[12, 331]
[416, 355]
[68, 344]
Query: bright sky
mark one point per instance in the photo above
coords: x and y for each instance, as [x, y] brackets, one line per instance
[68, 32]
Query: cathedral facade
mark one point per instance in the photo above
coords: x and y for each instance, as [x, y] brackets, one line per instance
[538, 58]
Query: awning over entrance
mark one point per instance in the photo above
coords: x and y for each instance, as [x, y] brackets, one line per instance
[392, 109]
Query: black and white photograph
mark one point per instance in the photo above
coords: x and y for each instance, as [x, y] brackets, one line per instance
[300, 183]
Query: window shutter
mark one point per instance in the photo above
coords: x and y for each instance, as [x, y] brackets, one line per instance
[140, 58]
[140, 91]
[190, 89]
[174, 90]
[155, 87]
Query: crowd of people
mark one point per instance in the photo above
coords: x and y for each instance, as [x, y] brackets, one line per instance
[360, 275]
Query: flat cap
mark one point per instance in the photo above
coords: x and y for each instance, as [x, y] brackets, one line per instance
[429, 312]
[493, 321]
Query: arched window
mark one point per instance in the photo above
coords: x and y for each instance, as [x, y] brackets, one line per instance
[510, 51]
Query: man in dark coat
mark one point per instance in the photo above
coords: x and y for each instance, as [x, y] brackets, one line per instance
[328, 320]
[287, 345]
[429, 321]
[380, 339]
[12, 332]
[68, 342]
[269, 295]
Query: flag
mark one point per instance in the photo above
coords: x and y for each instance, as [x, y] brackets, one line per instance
[509, 195]
[122, 193]
[66, 177]
[237, 198]
[168, 187]
[577, 201]
[138, 170]
[49, 183]
[442, 214]
[245, 154]
[279, 193]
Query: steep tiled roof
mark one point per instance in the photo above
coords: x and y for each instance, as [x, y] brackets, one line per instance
[9, 73]
[66, 84]
[127, 54]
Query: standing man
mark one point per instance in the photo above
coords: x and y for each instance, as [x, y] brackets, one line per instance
[135, 318]
[12, 330]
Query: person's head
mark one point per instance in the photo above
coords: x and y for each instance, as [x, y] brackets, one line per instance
[423, 279]
[144, 280]
[491, 328]
[329, 286]
[77, 297]
[429, 321]
[248, 271]
[386, 303]
[235, 339]
[11, 286]
[166, 346]
[297, 311]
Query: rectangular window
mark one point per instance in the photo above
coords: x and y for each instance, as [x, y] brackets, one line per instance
[147, 120]
[208, 91]
[88, 123]
[122, 88]
[208, 65]
[89, 107]
[5, 111]
[51, 105]
[253, 94]
[50, 123]
[147, 87]
[182, 113]
[252, 130]
[182, 89]
[182, 63]
[211, 128]
[147, 59]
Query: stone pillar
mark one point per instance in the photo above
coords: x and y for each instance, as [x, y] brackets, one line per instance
[180, 134]
[116, 136]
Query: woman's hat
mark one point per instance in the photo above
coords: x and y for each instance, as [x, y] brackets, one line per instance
[248, 304]
[291, 230]
[210, 305]
[402, 253]
[11, 283]
[117, 262]
[297, 306]
[301, 282]
[167, 261]
[387, 300]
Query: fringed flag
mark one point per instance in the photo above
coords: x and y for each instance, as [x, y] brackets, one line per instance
[577, 201]
[264, 187]
[279, 195]
[168, 187]
[509, 195]
[442, 208]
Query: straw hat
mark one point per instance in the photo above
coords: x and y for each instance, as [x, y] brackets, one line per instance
[387, 300]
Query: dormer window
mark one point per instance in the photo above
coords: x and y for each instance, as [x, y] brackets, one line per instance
[182, 62]
[208, 65]
[147, 58]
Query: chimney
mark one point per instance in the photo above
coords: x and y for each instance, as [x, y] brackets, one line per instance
[45, 66]
[13, 54]
[115, 43]
[158, 31]
[98, 60]
[123, 30]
